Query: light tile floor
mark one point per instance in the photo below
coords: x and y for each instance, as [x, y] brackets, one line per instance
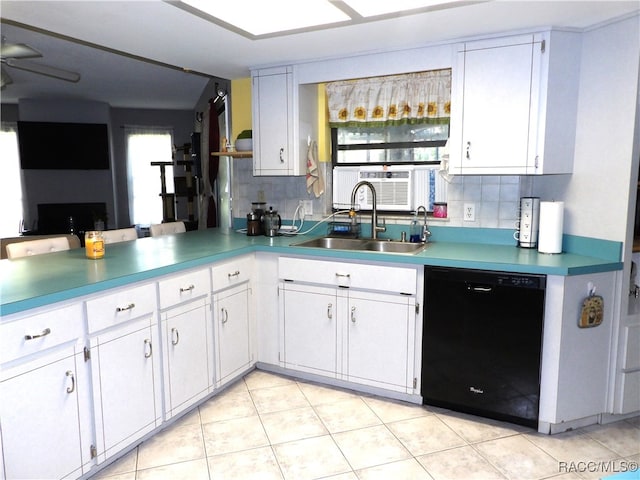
[267, 426]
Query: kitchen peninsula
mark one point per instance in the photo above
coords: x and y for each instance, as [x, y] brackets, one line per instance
[147, 299]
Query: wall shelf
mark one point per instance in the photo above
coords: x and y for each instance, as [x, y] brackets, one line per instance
[247, 154]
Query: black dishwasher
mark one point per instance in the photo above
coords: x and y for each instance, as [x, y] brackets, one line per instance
[482, 342]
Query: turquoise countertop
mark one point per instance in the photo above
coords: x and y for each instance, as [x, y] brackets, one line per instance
[44, 279]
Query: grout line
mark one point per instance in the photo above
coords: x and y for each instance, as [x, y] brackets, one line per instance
[628, 424]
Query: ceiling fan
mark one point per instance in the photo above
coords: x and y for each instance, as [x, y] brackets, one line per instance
[14, 55]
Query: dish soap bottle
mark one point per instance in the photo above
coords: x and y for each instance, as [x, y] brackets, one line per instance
[415, 235]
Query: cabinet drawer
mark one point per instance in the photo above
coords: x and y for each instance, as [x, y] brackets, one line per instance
[234, 272]
[181, 288]
[370, 277]
[120, 306]
[39, 332]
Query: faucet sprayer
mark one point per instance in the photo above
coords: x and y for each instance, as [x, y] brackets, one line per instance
[425, 229]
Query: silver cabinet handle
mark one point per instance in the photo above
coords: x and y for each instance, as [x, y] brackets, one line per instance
[468, 151]
[147, 354]
[175, 334]
[44, 333]
[125, 308]
[224, 315]
[234, 274]
[72, 388]
[282, 155]
[188, 288]
[330, 311]
[353, 314]
[345, 275]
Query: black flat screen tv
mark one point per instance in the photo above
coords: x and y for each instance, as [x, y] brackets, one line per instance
[63, 146]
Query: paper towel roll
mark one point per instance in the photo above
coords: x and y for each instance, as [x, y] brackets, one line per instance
[551, 224]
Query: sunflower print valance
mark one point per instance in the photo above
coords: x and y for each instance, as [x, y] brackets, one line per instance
[414, 98]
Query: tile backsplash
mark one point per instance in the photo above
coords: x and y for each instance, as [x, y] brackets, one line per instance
[496, 197]
[282, 193]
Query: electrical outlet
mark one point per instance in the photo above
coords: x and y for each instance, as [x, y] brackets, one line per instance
[469, 212]
[307, 207]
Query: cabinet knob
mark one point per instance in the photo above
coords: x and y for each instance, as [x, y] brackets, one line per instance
[175, 336]
[330, 311]
[188, 288]
[468, 155]
[282, 155]
[353, 314]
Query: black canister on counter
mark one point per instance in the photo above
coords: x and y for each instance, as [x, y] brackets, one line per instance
[254, 224]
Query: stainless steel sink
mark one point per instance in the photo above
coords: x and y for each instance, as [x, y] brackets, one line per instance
[363, 244]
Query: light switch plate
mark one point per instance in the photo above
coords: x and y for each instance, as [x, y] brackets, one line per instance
[307, 206]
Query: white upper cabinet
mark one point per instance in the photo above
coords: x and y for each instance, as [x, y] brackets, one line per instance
[284, 121]
[514, 104]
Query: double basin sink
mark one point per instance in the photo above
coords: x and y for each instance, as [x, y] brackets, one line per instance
[363, 244]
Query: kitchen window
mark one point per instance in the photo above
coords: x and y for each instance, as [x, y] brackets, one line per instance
[146, 145]
[388, 145]
[396, 119]
[391, 131]
[10, 182]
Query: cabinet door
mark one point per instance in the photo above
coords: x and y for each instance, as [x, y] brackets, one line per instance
[40, 419]
[187, 354]
[309, 326]
[272, 113]
[380, 340]
[496, 92]
[126, 382]
[231, 313]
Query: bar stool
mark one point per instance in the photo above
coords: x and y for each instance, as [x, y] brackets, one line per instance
[119, 235]
[160, 229]
[37, 247]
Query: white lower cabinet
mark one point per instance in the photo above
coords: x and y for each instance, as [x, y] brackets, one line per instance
[83, 382]
[188, 356]
[187, 339]
[125, 367]
[361, 329]
[232, 317]
[310, 328]
[126, 384]
[41, 432]
[44, 406]
[233, 348]
[380, 339]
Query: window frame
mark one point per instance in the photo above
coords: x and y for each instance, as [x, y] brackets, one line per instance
[336, 147]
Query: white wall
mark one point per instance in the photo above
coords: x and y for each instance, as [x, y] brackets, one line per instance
[596, 195]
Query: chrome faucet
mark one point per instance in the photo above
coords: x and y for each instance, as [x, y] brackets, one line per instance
[425, 229]
[375, 228]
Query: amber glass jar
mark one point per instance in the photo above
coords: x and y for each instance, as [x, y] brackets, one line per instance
[94, 244]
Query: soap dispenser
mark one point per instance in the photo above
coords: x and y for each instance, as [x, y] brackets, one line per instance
[415, 233]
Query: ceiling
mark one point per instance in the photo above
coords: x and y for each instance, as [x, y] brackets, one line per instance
[138, 54]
